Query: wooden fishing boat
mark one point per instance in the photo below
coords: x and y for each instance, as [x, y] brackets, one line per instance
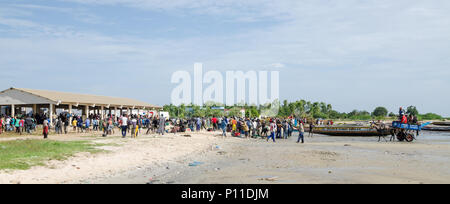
[441, 123]
[436, 128]
[355, 131]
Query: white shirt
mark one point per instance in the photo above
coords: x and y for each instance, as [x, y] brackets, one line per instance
[124, 121]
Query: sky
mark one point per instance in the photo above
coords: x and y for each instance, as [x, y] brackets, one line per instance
[353, 54]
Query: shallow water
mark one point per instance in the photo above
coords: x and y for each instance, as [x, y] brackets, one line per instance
[434, 137]
[425, 137]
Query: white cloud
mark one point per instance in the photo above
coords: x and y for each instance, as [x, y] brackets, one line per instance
[333, 49]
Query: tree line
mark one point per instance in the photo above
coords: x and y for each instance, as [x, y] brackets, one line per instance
[299, 109]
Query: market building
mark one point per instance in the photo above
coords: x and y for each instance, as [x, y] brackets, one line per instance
[14, 100]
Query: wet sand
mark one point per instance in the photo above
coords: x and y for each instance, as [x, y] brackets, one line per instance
[322, 159]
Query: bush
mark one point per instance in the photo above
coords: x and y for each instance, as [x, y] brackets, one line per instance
[430, 116]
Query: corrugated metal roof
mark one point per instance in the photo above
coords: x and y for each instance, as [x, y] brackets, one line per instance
[74, 98]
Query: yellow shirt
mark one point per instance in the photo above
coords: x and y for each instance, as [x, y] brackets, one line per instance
[74, 123]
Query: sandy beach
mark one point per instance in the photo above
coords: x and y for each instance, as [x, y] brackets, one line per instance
[122, 155]
[168, 159]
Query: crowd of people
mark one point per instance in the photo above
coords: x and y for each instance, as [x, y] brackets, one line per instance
[269, 128]
[126, 123]
[17, 124]
[79, 124]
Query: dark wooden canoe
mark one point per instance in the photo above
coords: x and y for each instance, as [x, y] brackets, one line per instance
[436, 128]
[441, 123]
[351, 131]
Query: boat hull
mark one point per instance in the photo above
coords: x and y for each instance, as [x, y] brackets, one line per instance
[351, 132]
[441, 123]
[437, 129]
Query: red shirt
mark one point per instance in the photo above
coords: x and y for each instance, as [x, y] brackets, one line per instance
[404, 120]
[214, 120]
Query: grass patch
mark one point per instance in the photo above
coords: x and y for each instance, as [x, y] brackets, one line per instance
[24, 154]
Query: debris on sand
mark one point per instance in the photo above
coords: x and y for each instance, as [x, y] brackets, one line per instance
[269, 178]
[215, 147]
[151, 181]
[196, 163]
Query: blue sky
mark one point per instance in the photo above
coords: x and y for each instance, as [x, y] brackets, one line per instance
[353, 54]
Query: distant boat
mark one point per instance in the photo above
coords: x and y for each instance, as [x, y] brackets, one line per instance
[441, 123]
[355, 131]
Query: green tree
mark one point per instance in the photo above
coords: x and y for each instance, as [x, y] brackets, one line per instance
[380, 112]
[412, 110]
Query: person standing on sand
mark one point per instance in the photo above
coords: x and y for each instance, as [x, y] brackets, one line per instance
[301, 135]
[124, 126]
[74, 124]
[148, 125]
[245, 128]
[162, 125]
[66, 124]
[80, 125]
[7, 124]
[224, 125]
[60, 126]
[45, 129]
[311, 130]
[134, 127]
[1, 125]
[279, 129]
[273, 129]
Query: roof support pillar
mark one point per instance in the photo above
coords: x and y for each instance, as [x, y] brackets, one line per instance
[70, 113]
[50, 114]
[13, 110]
[34, 109]
[86, 110]
[101, 113]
